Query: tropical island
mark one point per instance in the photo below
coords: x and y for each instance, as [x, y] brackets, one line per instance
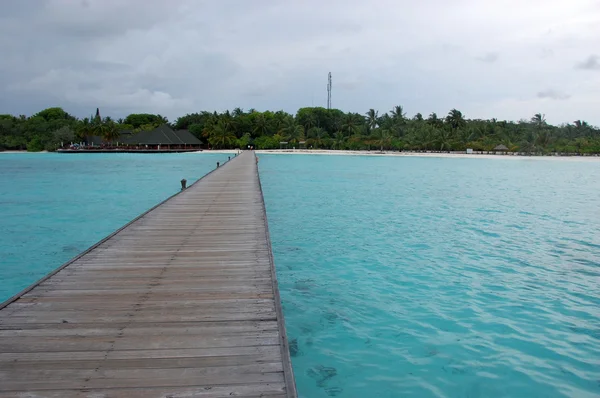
[315, 127]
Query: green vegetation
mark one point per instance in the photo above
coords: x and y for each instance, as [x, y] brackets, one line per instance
[313, 128]
[53, 128]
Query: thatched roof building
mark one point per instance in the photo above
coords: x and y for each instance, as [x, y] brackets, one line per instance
[96, 140]
[164, 136]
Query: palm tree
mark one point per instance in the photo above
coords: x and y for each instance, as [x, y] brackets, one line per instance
[543, 138]
[310, 121]
[111, 132]
[528, 143]
[261, 125]
[455, 119]
[237, 112]
[278, 124]
[398, 113]
[422, 137]
[351, 124]
[337, 123]
[475, 133]
[372, 119]
[338, 140]
[101, 129]
[385, 121]
[85, 129]
[288, 127]
[160, 120]
[583, 128]
[291, 131]
[434, 120]
[317, 135]
[384, 138]
[228, 121]
[220, 135]
[443, 139]
[538, 120]
[297, 134]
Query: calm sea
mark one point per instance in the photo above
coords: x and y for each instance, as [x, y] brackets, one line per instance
[401, 277]
[54, 206]
[430, 277]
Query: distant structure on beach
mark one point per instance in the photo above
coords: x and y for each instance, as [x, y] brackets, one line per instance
[329, 87]
[162, 138]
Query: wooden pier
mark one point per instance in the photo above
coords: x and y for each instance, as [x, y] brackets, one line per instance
[181, 302]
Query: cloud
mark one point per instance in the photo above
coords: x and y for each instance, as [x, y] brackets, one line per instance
[546, 53]
[591, 63]
[179, 56]
[348, 85]
[553, 94]
[259, 91]
[489, 58]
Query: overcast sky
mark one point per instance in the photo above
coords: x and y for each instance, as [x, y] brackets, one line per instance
[506, 59]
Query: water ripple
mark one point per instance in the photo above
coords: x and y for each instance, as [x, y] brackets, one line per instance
[54, 206]
[438, 277]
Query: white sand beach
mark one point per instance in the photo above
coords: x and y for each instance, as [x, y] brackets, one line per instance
[13, 152]
[452, 155]
[455, 155]
[217, 151]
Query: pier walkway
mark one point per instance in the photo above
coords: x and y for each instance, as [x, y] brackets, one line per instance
[181, 302]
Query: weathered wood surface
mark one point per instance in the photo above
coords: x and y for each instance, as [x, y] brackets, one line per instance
[182, 302]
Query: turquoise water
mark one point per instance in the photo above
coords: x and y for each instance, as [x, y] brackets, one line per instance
[421, 277]
[54, 206]
[401, 277]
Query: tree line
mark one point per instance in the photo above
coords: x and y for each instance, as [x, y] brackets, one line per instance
[313, 127]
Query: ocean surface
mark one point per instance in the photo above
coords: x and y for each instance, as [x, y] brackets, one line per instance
[431, 277]
[54, 206]
[400, 277]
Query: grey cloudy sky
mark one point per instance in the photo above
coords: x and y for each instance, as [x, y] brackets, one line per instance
[506, 59]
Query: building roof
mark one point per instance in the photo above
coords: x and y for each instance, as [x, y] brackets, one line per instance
[163, 135]
[187, 137]
[501, 147]
[96, 140]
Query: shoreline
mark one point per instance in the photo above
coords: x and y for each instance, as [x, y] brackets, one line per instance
[329, 152]
[422, 154]
[12, 152]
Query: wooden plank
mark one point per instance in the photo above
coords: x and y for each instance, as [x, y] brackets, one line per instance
[163, 363]
[137, 329]
[69, 305]
[181, 302]
[139, 318]
[34, 381]
[270, 390]
[121, 297]
[145, 354]
[42, 375]
[115, 342]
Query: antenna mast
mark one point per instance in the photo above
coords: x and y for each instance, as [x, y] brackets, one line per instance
[329, 87]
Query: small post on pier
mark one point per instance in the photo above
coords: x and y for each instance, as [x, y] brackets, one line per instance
[183, 184]
[217, 165]
[228, 157]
